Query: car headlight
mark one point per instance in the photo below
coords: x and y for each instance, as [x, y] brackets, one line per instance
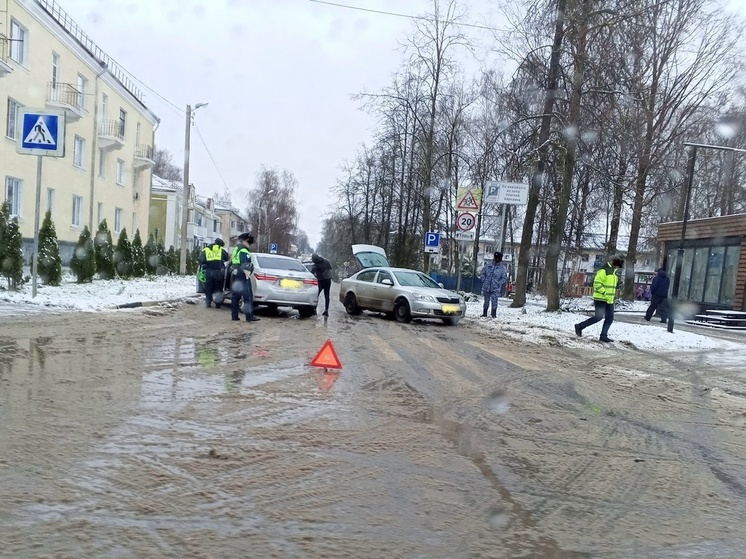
[423, 297]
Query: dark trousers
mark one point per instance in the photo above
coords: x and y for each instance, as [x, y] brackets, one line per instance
[655, 302]
[605, 312]
[213, 286]
[325, 286]
[241, 289]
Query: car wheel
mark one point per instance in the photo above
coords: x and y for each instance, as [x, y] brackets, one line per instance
[306, 312]
[401, 311]
[351, 305]
[451, 321]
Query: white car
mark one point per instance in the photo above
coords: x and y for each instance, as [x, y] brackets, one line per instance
[399, 292]
[281, 281]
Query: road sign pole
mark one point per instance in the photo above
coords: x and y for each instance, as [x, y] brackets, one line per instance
[35, 259]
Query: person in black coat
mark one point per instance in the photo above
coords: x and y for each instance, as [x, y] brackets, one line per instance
[322, 269]
[659, 296]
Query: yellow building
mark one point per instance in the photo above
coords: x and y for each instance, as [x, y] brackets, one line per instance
[48, 62]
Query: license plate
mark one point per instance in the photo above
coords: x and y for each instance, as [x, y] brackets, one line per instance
[290, 283]
[450, 309]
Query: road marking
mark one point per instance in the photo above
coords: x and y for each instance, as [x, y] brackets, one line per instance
[384, 348]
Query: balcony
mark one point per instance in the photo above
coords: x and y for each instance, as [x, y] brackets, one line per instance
[67, 97]
[5, 68]
[143, 157]
[110, 135]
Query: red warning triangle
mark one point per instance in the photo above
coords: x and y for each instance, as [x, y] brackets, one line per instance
[468, 202]
[327, 357]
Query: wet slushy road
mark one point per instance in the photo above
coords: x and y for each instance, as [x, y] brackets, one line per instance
[178, 433]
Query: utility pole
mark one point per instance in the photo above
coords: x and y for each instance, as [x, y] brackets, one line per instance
[185, 194]
[186, 190]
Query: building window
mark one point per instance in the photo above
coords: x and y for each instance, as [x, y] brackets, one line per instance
[77, 209]
[122, 121]
[137, 136]
[233, 224]
[120, 172]
[100, 212]
[118, 220]
[55, 70]
[78, 150]
[18, 42]
[13, 189]
[584, 257]
[12, 125]
[82, 89]
[101, 163]
[104, 107]
[50, 199]
[215, 226]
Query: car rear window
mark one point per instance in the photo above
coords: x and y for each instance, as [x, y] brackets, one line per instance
[415, 279]
[278, 263]
[371, 259]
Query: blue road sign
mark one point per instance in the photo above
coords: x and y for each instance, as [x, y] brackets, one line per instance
[432, 241]
[273, 248]
[42, 133]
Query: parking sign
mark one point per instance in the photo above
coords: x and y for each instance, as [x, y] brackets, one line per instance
[432, 241]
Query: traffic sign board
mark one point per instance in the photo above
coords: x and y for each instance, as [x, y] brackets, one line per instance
[468, 201]
[466, 221]
[42, 132]
[465, 235]
[506, 192]
[273, 248]
[432, 241]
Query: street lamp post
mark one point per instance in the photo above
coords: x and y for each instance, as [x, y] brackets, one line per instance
[186, 190]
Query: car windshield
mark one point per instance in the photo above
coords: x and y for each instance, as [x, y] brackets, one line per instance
[371, 259]
[280, 263]
[415, 279]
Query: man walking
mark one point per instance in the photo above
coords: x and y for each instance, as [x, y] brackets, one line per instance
[604, 293]
[212, 259]
[659, 296]
[322, 269]
[241, 269]
[493, 276]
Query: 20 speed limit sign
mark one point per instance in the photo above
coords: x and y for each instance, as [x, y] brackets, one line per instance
[466, 221]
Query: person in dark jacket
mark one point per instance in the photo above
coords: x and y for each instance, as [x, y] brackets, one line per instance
[659, 296]
[494, 276]
[241, 270]
[212, 259]
[322, 269]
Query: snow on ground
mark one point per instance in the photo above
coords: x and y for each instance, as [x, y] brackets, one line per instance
[531, 324]
[101, 294]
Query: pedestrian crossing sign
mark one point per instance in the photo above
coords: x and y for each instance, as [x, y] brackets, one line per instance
[41, 132]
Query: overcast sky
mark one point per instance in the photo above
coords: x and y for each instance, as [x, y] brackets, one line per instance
[278, 76]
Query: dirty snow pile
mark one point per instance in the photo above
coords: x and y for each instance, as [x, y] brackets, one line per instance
[101, 294]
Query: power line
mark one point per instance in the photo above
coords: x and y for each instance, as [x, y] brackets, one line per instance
[211, 157]
[408, 16]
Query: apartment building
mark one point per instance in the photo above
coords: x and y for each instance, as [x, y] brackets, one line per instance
[48, 62]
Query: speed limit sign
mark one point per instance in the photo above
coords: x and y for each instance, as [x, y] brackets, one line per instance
[466, 221]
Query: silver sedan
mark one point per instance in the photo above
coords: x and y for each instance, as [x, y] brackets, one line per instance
[401, 293]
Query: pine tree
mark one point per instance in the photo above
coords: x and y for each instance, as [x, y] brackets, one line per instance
[83, 263]
[11, 265]
[162, 267]
[4, 218]
[138, 256]
[172, 260]
[151, 256]
[123, 256]
[192, 262]
[104, 252]
[49, 263]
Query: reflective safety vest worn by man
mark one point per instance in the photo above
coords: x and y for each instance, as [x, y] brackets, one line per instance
[212, 266]
[605, 283]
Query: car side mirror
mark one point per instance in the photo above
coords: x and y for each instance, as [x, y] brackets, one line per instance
[387, 281]
[441, 285]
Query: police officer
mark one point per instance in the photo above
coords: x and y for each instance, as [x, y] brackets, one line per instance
[212, 259]
[241, 269]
